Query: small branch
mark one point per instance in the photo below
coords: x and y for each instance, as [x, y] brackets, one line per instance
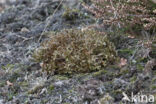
[24, 38]
[49, 21]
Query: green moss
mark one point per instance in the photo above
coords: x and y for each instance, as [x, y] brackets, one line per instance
[98, 73]
[51, 87]
[14, 76]
[24, 84]
[154, 95]
[154, 87]
[124, 71]
[2, 83]
[71, 90]
[126, 51]
[117, 92]
[10, 97]
[133, 79]
[71, 14]
[144, 60]
[154, 80]
[8, 67]
[140, 67]
[76, 51]
[152, 5]
[60, 77]
[153, 49]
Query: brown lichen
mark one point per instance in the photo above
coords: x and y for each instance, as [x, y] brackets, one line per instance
[76, 51]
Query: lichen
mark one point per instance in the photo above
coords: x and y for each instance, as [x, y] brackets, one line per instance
[107, 99]
[72, 51]
[76, 51]
[35, 89]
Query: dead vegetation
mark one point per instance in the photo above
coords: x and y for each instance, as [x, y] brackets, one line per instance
[132, 15]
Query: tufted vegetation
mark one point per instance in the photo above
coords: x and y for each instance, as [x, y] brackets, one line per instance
[133, 15]
[76, 51]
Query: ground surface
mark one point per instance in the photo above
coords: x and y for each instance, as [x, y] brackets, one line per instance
[23, 82]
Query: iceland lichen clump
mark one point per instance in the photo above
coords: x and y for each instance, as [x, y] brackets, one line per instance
[76, 51]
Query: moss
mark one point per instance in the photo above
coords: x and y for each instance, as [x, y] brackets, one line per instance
[8, 67]
[51, 87]
[124, 71]
[60, 77]
[71, 90]
[71, 14]
[144, 60]
[117, 92]
[152, 5]
[98, 73]
[24, 84]
[2, 83]
[14, 76]
[133, 79]
[126, 51]
[154, 80]
[153, 50]
[76, 51]
[82, 76]
[140, 67]
[10, 97]
[154, 87]
[110, 71]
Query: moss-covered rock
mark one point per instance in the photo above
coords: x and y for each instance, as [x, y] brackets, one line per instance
[76, 51]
